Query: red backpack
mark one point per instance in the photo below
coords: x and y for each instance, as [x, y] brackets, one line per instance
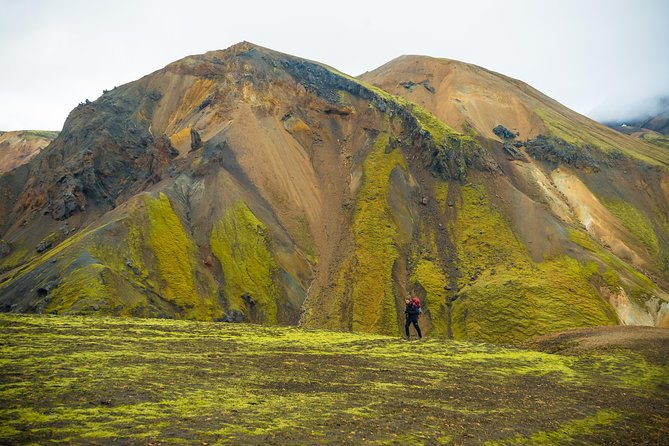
[416, 302]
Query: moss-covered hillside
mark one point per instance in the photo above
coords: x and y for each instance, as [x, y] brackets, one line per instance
[82, 380]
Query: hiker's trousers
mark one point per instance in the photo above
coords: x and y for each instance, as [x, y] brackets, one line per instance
[412, 319]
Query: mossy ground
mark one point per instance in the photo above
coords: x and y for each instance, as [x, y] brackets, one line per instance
[78, 380]
[617, 273]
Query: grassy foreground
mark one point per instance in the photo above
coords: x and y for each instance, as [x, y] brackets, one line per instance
[78, 380]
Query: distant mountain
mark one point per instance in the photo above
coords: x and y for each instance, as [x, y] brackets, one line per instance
[19, 147]
[652, 127]
[658, 122]
[251, 185]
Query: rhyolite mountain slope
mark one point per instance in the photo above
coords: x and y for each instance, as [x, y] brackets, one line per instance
[466, 96]
[566, 179]
[250, 185]
[19, 147]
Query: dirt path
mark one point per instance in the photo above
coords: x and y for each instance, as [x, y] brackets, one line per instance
[650, 342]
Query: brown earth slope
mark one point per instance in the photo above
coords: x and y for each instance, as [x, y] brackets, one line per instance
[250, 185]
[19, 147]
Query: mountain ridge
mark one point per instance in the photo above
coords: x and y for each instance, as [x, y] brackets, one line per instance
[250, 185]
[522, 111]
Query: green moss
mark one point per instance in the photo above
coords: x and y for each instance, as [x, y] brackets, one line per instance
[241, 244]
[432, 124]
[375, 251]
[14, 259]
[558, 127]
[52, 238]
[617, 273]
[427, 273]
[63, 247]
[174, 254]
[123, 269]
[133, 241]
[431, 277]
[513, 307]
[363, 298]
[484, 238]
[579, 136]
[78, 379]
[305, 240]
[635, 222]
[40, 134]
[583, 240]
[441, 193]
[569, 432]
[343, 98]
[656, 139]
[611, 278]
[506, 297]
[80, 290]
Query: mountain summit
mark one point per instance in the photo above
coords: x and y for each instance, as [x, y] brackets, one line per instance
[251, 185]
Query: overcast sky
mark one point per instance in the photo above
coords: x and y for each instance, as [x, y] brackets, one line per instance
[599, 58]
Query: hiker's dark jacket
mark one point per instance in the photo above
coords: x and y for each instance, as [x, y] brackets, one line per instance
[412, 310]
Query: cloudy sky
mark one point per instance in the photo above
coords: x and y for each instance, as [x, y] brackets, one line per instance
[601, 58]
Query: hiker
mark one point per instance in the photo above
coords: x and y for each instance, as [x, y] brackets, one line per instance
[412, 312]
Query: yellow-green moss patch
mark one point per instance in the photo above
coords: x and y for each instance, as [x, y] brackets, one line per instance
[174, 253]
[568, 433]
[240, 242]
[430, 276]
[506, 297]
[375, 236]
[635, 222]
[441, 193]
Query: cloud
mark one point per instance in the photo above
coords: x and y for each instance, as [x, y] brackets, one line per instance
[632, 110]
[583, 54]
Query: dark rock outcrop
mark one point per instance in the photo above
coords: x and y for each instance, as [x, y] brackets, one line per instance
[195, 140]
[513, 152]
[503, 132]
[556, 150]
[409, 85]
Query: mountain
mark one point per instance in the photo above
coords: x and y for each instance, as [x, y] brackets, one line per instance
[655, 118]
[250, 185]
[652, 127]
[466, 96]
[19, 147]
[659, 120]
